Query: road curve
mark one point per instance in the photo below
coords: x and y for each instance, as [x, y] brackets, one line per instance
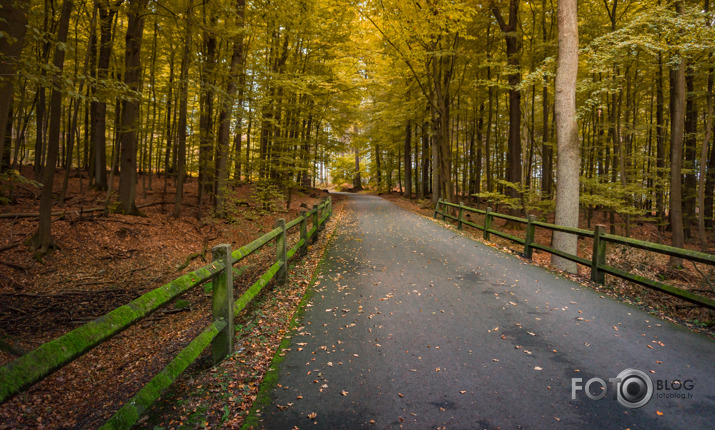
[415, 326]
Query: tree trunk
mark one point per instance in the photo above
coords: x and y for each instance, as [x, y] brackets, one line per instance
[689, 162]
[424, 187]
[183, 107]
[660, 144]
[547, 153]
[98, 107]
[568, 167]
[206, 150]
[42, 240]
[12, 25]
[676, 154]
[225, 115]
[130, 109]
[408, 160]
[513, 46]
[357, 181]
[703, 163]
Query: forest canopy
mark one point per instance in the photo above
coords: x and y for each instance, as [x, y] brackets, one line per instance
[433, 98]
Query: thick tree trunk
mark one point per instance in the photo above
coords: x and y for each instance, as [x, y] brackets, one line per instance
[130, 109]
[42, 240]
[568, 167]
[12, 25]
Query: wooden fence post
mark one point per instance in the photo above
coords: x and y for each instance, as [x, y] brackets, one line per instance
[436, 208]
[222, 297]
[529, 238]
[304, 232]
[314, 238]
[282, 274]
[459, 216]
[599, 255]
[487, 223]
[323, 207]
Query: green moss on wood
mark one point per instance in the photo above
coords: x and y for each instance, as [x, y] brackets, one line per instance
[128, 415]
[35, 365]
[254, 246]
[256, 288]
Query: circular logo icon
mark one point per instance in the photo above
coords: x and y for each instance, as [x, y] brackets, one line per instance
[635, 388]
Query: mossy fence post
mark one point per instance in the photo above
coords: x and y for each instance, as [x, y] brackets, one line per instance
[282, 274]
[436, 208]
[459, 216]
[222, 297]
[487, 223]
[599, 255]
[323, 211]
[529, 238]
[314, 238]
[304, 232]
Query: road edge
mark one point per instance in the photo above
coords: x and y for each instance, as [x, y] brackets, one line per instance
[270, 380]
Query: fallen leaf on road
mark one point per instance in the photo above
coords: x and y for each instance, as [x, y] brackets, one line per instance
[312, 415]
[537, 368]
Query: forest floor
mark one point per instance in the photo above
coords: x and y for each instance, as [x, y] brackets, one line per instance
[103, 262]
[696, 277]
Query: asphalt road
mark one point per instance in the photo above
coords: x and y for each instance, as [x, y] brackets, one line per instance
[415, 326]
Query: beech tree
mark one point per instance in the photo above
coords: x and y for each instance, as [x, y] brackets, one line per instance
[568, 165]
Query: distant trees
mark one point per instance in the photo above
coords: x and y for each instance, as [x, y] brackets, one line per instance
[642, 147]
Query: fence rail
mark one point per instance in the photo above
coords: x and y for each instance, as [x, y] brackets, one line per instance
[600, 238]
[18, 375]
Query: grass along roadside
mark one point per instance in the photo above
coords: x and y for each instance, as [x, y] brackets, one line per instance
[270, 381]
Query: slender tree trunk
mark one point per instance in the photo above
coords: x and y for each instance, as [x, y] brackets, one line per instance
[206, 150]
[707, 141]
[568, 167]
[98, 106]
[42, 240]
[226, 113]
[425, 160]
[73, 121]
[677, 127]
[689, 162]
[513, 46]
[183, 107]
[13, 25]
[130, 109]
[408, 160]
[660, 144]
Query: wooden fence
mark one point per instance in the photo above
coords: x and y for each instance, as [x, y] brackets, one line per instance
[18, 375]
[600, 238]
